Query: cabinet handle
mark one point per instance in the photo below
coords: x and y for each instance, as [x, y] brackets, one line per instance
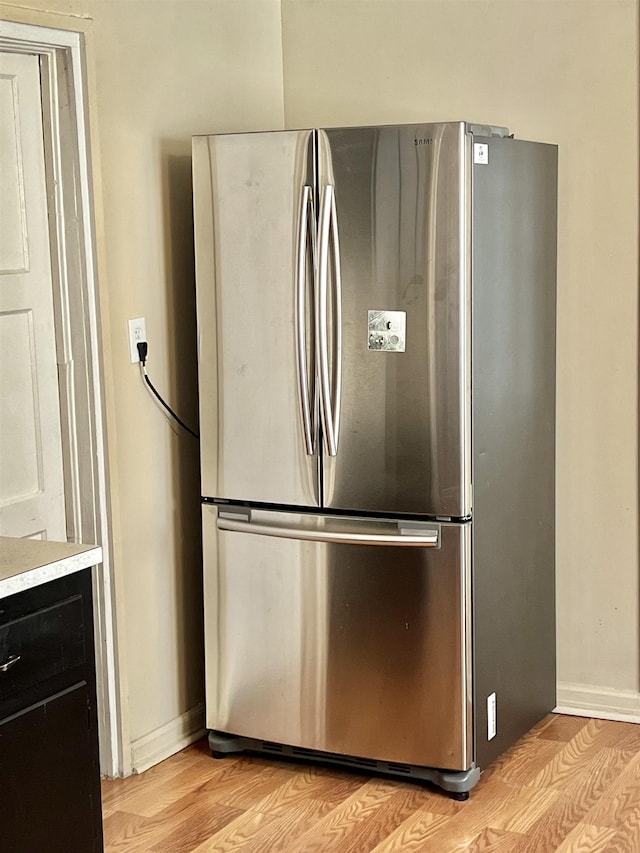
[12, 660]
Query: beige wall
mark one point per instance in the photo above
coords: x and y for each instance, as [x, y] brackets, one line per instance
[164, 71]
[564, 72]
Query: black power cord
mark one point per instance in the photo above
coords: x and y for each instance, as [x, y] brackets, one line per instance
[142, 352]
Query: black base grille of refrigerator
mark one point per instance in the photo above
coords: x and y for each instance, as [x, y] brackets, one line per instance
[456, 783]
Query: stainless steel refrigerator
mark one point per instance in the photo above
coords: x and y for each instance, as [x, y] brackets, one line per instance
[376, 325]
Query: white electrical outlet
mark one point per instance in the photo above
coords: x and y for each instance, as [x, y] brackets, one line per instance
[137, 333]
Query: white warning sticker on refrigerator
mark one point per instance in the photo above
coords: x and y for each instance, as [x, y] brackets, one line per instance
[492, 727]
[481, 153]
[387, 330]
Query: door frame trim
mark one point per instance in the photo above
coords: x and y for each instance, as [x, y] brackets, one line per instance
[78, 340]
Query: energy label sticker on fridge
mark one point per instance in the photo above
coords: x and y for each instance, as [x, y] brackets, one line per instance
[481, 153]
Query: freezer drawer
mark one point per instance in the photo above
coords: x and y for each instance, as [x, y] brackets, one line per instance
[354, 649]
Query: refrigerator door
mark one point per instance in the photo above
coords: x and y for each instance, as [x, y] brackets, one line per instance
[397, 375]
[254, 210]
[355, 649]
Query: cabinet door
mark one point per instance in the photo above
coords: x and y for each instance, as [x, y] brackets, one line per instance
[50, 784]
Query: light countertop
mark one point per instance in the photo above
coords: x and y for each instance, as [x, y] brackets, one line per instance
[25, 563]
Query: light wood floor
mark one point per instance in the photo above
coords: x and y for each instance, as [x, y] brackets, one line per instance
[572, 784]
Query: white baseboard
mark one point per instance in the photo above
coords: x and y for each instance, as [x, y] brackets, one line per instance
[603, 703]
[167, 740]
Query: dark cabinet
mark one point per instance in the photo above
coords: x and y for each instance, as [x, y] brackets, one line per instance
[49, 769]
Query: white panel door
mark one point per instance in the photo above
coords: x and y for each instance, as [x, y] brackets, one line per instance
[31, 468]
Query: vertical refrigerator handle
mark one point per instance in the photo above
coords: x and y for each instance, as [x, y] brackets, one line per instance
[306, 237]
[337, 319]
[330, 380]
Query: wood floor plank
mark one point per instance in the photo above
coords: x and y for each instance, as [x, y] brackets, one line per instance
[332, 831]
[239, 784]
[522, 808]
[122, 830]
[412, 834]
[510, 810]
[574, 802]
[309, 783]
[386, 819]
[195, 828]
[619, 806]
[526, 758]
[558, 727]
[150, 795]
[118, 790]
[235, 835]
[112, 791]
[623, 736]
[479, 812]
[140, 834]
[491, 840]
[587, 839]
[300, 788]
[571, 759]
[626, 840]
[572, 785]
[252, 791]
[282, 833]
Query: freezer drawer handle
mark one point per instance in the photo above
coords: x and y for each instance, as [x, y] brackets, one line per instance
[306, 236]
[330, 386]
[427, 538]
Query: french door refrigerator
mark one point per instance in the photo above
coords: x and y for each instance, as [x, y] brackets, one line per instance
[376, 334]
